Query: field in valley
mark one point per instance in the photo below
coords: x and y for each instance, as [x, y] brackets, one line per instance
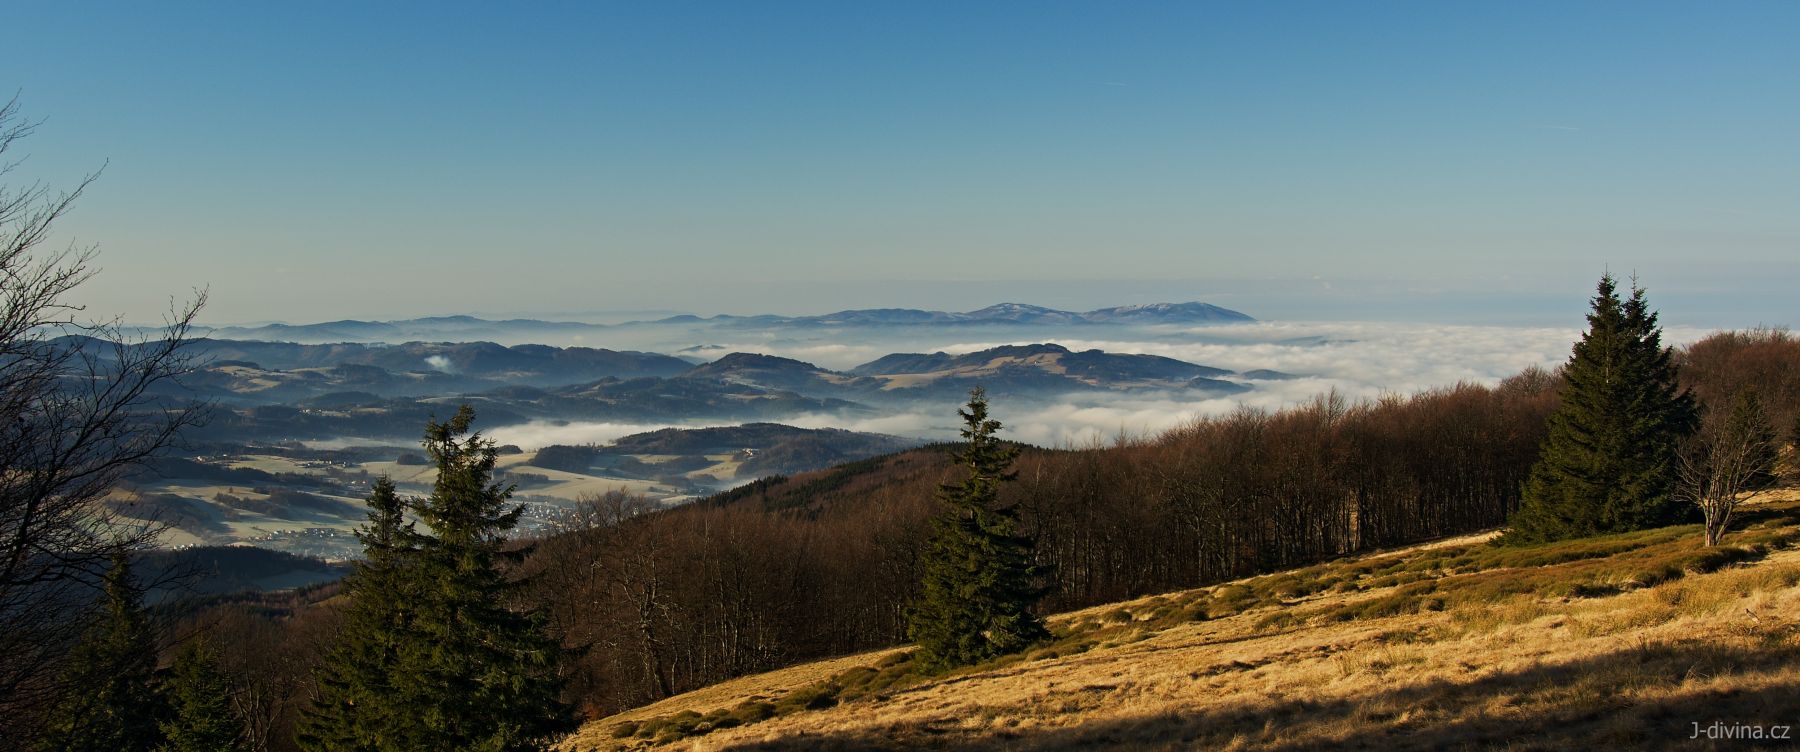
[313, 507]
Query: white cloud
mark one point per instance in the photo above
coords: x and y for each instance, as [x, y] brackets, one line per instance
[1359, 360]
[1363, 359]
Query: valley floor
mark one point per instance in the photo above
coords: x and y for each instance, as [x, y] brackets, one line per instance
[1640, 640]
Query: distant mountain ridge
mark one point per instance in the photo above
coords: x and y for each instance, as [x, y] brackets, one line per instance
[999, 313]
[469, 328]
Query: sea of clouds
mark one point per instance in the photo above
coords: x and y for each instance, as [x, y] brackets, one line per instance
[1358, 360]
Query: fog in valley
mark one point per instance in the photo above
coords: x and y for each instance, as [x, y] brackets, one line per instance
[1359, 360]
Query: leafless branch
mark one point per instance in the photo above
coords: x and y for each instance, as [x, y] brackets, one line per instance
[81, 406]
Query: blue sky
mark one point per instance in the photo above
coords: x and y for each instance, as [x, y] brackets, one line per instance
[1455, 161]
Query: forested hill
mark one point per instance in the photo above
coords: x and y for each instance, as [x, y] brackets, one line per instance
[1455, 644]
[823, 563]
[849, 484]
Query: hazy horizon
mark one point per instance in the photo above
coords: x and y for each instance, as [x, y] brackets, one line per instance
[1308, 301]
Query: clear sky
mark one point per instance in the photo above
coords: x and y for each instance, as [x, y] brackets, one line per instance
[1461, 160]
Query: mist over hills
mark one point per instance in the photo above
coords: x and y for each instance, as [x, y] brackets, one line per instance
[467, 328]
[305, 416]
[1048, 362]
[1021, 370]
[538, 365]
[296, 391]
[279, 371]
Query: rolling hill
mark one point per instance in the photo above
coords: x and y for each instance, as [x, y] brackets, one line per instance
[539, 365]
[1007, 371]
[1015, 368]
[756, 450]
[284, 391]
[771, 372]
[294, 498]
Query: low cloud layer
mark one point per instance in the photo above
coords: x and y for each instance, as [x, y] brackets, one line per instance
[1359, 360]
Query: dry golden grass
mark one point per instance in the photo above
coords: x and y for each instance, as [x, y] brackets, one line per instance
[1624, 641]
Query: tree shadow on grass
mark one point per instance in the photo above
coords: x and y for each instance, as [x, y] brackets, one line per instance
[1570, 705]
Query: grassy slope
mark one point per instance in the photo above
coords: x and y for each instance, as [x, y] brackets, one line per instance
[1623, 640]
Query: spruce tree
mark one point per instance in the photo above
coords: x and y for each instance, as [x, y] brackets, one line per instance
[979, 578]
[355, 707]
[112, 705]
[473, 674]
[202, 718]
[1609, 460]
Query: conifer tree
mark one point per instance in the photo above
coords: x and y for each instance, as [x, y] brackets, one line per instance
[112, 705]
[355, 708]
[1608, 462]
[202, 718]
[473, 674]
[979, 580]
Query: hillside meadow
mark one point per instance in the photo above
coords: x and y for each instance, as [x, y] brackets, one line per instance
[1624, 640]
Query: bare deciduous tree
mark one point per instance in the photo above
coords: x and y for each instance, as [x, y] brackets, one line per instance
[1730, 454]
[81, 405]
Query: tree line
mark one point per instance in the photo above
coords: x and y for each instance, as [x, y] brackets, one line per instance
[660, 602]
